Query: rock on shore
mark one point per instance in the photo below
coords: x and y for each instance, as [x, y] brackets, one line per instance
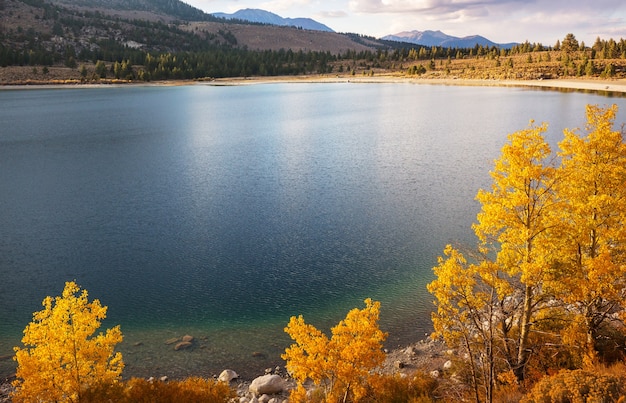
[267, 384]
[428, 356]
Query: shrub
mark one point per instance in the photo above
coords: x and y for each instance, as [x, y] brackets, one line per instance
[60, 356]
[397, 389]
[135, 390]
[341, 366]
[577, 386]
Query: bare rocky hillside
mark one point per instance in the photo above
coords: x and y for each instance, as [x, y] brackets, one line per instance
[152, 25]
[270, 37]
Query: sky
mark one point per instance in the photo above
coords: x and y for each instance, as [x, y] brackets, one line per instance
[502, 21]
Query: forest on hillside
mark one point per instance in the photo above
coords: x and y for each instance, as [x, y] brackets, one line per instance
[94, 45]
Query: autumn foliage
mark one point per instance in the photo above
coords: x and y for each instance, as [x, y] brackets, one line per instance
[135, 390]
[420, 387]
[579, 386]
[341, 366]
[61, 356]
[548, 278]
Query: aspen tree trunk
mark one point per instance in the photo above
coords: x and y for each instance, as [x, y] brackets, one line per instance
[522, 352]
[590, 343]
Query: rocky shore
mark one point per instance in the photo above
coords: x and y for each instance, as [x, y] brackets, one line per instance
[274, 385]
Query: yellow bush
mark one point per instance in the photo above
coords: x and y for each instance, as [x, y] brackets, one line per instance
[396, 389]
[341, 366]
[578, 386]
[60, 357]
[135, 390]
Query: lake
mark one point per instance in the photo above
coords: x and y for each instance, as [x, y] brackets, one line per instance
[221, 211]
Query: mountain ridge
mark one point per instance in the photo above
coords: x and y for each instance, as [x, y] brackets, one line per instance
[266, 17]
[438, 38]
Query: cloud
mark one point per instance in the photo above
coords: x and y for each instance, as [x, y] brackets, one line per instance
[504, 20]
[612, 32]
[451, 9]
[278, 5]
[430, 6]
[332, 14]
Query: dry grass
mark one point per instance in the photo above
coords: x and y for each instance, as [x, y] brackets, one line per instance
[267, 37]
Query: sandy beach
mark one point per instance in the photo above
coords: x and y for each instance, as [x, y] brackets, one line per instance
[615, 86]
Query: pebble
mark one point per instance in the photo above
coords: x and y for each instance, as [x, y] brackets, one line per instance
[183, 345]
[172, 340]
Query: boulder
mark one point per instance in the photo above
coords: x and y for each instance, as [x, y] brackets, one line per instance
[227, 375]
[267, 384]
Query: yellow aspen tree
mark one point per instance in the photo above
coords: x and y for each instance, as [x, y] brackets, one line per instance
[514, 218]
[61, 357]
[591, 276]
[471, 314]
[340, 365]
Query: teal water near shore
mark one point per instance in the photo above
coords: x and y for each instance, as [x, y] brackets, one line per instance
[220, 212]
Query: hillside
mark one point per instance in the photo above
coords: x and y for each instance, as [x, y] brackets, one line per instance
[150, 25]
[161, 8]
[48, 34]
[271, 37]
[46, 41]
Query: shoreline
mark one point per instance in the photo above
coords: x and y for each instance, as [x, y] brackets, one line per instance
[602, 87]
[427, 356]
[587, 85]
[616, 85]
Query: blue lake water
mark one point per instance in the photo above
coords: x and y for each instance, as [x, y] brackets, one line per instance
[220, 212]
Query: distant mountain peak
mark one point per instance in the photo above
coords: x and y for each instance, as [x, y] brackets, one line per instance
[438, 38]
[267, 17]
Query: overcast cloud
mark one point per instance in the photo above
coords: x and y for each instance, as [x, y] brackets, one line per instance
[542, 21]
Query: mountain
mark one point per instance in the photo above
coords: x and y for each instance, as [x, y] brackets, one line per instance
[438, 38]
[51, 32]
[265, 17]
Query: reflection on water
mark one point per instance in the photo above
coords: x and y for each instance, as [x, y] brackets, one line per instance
[220, 212]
